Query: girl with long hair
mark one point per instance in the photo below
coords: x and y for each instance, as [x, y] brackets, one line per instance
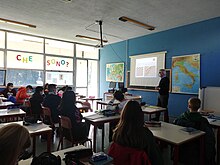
[68, 108]
[130, 132]
[14, 139]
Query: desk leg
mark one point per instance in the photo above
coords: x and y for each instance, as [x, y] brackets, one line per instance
[34, 145]
[166, 116]
[218, 146]
[94, 138]
[49, 136]
[103, 135]
[92, 104]
[202, 150]
[176, 155]
[97, 105]
[149, 117]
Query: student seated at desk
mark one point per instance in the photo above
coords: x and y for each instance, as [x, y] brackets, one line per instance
[130, 132]
[190, 153]
[22, 94]
[36, 100]
[52, 101]
[14, 139]
[8, 91]
[119, 96]
[68, 108]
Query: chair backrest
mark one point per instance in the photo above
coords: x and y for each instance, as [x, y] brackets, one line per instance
[47, 116]
[65, 122]
[66, 127]
[127, 155]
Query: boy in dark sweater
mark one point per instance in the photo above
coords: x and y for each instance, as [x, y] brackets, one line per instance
[189, 153]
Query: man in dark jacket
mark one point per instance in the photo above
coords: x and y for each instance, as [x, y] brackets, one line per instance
[163, 89]
[189, 153]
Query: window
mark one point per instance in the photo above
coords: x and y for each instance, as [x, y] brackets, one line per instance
[81, 73]
[59, 78]
[2, 39]
[58, 48]
[24, 60]
[24, 77]
[24, 43]
[59, 63]
[1, 59]
[92, 78]
[87, 52]
[34, 60]
[82, 91]
[2, 77]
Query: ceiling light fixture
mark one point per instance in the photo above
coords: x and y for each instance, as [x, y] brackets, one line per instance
[146, 26]
[91, 38]
[17, 23]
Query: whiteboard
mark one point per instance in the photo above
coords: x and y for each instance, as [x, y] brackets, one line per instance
[210, 97]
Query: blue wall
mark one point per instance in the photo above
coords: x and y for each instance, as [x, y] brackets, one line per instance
[202, 37]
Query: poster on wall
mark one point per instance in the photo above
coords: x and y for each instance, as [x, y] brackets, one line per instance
[115, 72]
[186, 74]
[59, 78]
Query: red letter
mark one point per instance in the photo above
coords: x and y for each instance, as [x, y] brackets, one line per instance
[18, 58]
[48, 62]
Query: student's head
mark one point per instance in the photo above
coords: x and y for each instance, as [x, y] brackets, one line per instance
[29, 88]
[68, 100]
[69, 96]
[39, 90]
[10, 86]
[69, 88]
[14, 139]
[63, 88]
[46, 86]
[131, 121]
[52, 88]
[118, 95]
[194, 104]
[162, 72]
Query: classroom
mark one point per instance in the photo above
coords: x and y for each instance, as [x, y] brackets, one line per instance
[78, 44]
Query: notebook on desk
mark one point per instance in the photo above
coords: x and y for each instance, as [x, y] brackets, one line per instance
[190, 130]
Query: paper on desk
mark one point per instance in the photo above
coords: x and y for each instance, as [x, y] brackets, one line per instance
[211, 120]
[36, 127]
[94, 116]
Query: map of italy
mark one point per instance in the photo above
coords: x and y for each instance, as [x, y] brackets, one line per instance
[186, 74]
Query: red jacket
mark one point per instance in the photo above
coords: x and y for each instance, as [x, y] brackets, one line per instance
[127, 155]
[21, 95]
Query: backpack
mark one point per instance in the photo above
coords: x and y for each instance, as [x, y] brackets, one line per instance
[46, 158]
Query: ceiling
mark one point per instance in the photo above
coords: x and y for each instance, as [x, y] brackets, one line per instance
[57, 19]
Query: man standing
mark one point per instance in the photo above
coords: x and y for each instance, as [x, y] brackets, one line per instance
[163, 89]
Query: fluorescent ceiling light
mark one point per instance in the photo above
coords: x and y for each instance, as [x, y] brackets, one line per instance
[146, 26]
[17, 23]
[91, 38]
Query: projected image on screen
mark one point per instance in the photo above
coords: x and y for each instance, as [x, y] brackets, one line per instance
[146, 67]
